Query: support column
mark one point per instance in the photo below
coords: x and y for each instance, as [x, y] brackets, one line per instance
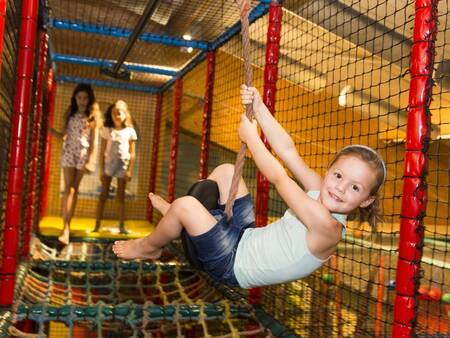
[31, 199]
[270, 81]
[47, 123]
[174, 139]
[207, 109]
[415, 169]
[24, 82]
[155, 149]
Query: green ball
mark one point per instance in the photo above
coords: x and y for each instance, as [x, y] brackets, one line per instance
[327, 278]
[446, 298]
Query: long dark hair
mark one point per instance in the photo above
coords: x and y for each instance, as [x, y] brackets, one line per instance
[73, 108]
[371, 213]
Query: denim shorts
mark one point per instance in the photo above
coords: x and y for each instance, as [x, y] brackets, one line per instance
[216, 248]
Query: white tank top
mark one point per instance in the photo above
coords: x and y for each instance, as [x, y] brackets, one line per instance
[278, 252]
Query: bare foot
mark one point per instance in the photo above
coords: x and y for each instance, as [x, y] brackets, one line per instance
[64, 237]
[135, 249]
[159, 203]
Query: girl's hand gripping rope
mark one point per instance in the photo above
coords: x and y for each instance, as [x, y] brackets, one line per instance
[247, 129]
[250, 95]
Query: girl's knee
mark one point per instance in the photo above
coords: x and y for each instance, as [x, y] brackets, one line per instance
[104, 195]
[184, 204]
[224, 170]
[121, 198]
[71, 190]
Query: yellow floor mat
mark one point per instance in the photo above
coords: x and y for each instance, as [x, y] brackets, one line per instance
[82, 227]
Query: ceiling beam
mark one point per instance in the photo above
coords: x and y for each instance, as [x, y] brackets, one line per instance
[110, 84]
[88, 61]
[118, 32]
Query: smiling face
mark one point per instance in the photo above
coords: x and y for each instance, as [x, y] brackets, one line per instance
[119, 114]
[347, 185]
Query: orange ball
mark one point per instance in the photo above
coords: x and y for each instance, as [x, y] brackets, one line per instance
[423, 293]
[357, 233]
[435, 294]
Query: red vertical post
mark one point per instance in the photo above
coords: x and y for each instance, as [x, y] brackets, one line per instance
[47, 123]
[31, 198]
[174, 139]
[154, 164]
[21, 109]
[270, 82]
[207, 109]
[415, 169]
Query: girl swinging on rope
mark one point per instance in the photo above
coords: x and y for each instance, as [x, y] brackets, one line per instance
[237, 253]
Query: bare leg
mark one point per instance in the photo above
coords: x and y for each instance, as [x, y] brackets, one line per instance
[72, 179]
[185, 212]
[76, 184]
[159, 203]
[106, 183]
[121, 185]
[223, 175]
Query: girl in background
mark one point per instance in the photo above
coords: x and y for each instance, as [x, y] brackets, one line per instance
[117, 157]
[79, 149]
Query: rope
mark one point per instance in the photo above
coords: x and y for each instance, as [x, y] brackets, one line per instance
[244, 7]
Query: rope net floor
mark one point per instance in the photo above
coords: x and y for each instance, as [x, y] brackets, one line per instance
[94, 295]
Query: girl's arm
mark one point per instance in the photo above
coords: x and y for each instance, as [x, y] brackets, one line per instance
[312, 213]
[102, 157]
[132, 158]
[60, 134]
[92, 154]
[279, 140]
[56, 133]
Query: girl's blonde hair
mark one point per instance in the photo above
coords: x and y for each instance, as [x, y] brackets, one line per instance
[371, 213]
[108, 115]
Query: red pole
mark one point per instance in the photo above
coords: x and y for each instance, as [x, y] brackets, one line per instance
[154, 164]
[35, 145]
[27, 40]
[47, 123]
[207, 109]
[270, 81]
[415, 169]
[174, 139]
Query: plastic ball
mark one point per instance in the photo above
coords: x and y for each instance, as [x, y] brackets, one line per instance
[435, 294]
[423, 293]
[357, 233]
[446, 298]
[391, 284]
[327, 278]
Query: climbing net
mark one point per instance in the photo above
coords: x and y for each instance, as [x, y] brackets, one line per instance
[136, 299]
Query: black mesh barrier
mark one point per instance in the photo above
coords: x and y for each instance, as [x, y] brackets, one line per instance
[343, 78]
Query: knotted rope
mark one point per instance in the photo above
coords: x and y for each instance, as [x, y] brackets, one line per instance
[244, 7]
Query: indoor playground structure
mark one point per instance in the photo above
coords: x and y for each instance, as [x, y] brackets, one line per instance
[333, 73]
